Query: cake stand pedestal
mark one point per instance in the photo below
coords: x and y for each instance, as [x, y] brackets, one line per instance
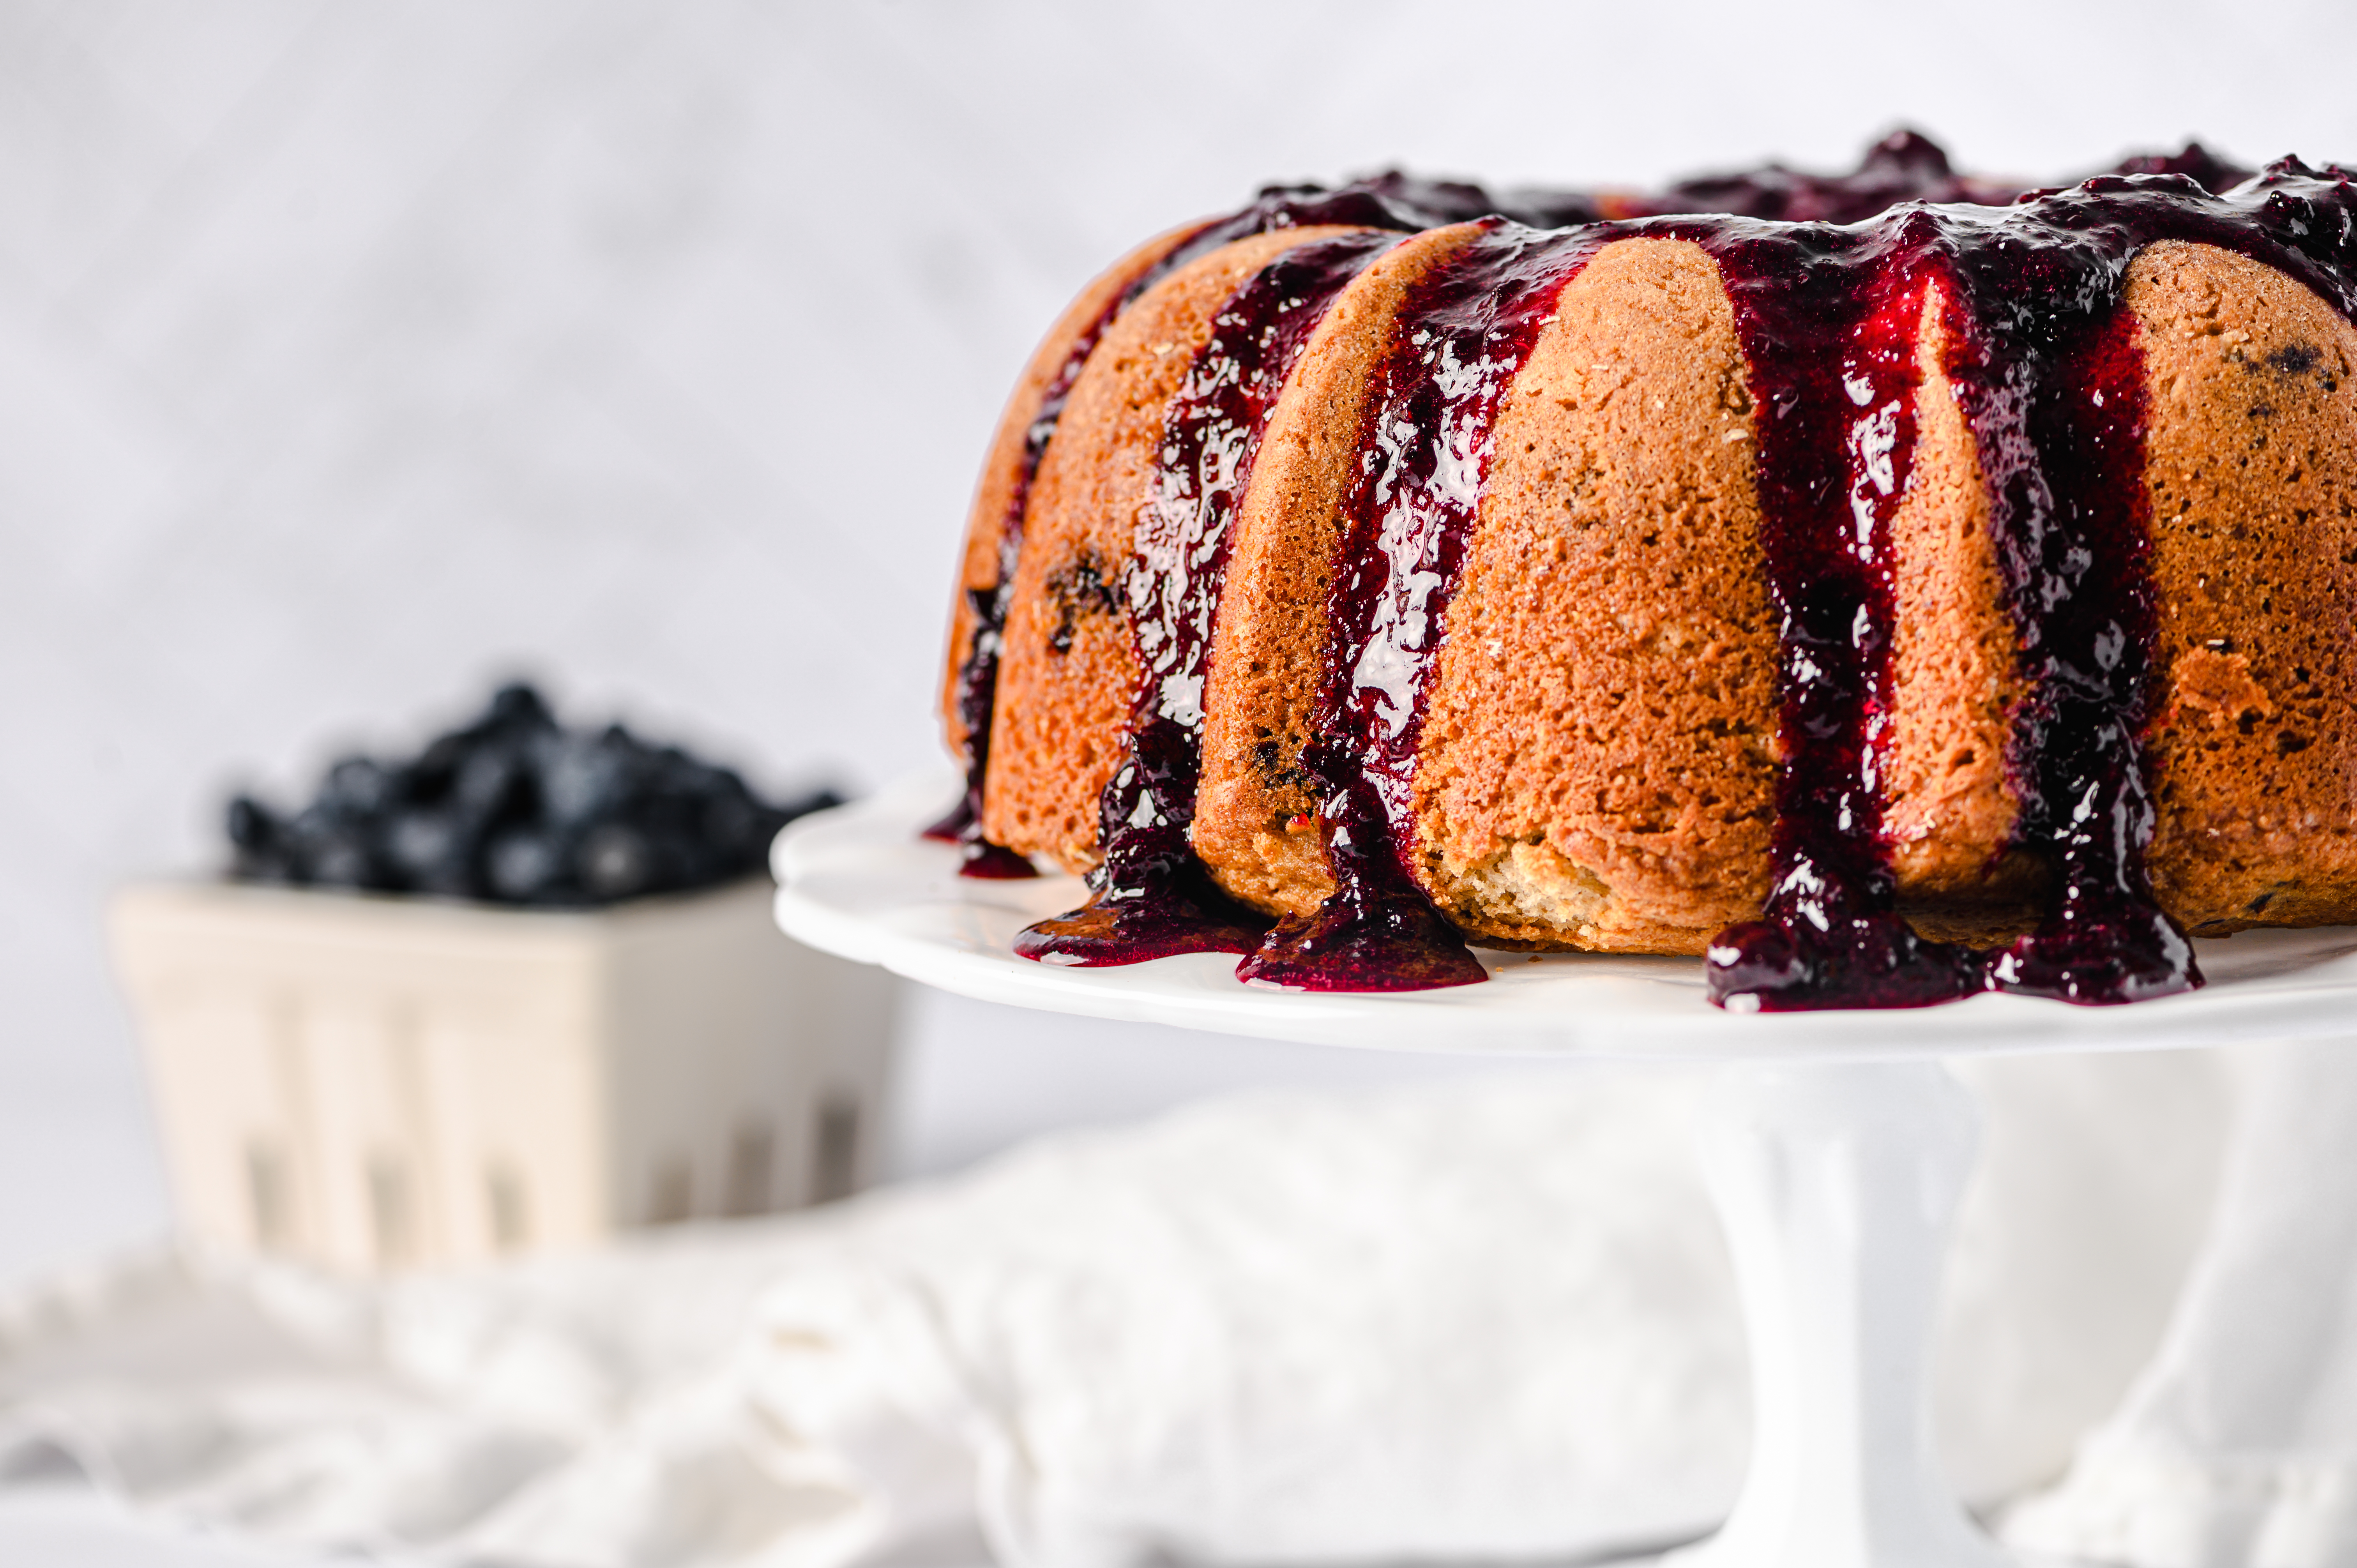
[1835, 1183]
[1836, 1145]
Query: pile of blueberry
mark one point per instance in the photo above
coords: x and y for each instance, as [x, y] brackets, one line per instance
[516, 808]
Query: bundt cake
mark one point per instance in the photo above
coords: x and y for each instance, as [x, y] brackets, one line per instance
[1889, 586]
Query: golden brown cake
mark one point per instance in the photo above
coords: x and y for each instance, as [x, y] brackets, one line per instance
[1886, 587]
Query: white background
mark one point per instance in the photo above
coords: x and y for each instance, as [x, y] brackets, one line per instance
[353, 354]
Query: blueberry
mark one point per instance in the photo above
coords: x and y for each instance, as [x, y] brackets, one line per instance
[456, 881]
[436, 767]
[513, 807]
[250, 824]
[322, 847]
[522, 866]
[263, 865]
[488, 782]
[342, 860]
[614, 862]
[259, 851]
[731, 823]
[358, 787]
[518, 706]
[421, 843]
[452, 875]
[581, 779]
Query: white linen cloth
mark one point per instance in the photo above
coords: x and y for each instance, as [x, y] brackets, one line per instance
[2238, 1447]
[1488, 1320]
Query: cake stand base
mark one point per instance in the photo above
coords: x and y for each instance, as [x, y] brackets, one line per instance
[1837, 1183]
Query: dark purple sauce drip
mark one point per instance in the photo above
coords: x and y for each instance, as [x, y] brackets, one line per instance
[2047, 367]
[988, 862]
[2076, 749]
[1392, 201]
[1463, 333]
[1828, 319]
[2050, 374]
[1152, 896]
[2056, 396]
[1904, 167]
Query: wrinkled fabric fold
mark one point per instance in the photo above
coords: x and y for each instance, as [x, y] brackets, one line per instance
[1492, 1320]
[2237, 1446]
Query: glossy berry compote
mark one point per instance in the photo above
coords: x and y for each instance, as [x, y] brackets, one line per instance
[1152, 896]
[1827, 316]
[1392, 201]
[1905, 166]
[1463, 335]
[2049, 372]
[1835, 282]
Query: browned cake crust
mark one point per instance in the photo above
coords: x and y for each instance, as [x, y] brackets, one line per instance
[1069, 668]
[1253, 808]
[1948, 808]
[1598, 755]
[2251, 462]
[1002, 468]
[1598, 765]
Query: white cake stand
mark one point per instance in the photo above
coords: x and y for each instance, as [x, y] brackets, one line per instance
[1836, 1145]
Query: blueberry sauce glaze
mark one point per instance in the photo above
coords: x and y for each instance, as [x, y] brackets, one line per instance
[1151, 895]
[2049, 376]
[1390, 202]
[2085, 565]
[2044, 358]
[1834, 435]
[2047, 369]
[1463, 335]
[2050, 379]
[1903, 166]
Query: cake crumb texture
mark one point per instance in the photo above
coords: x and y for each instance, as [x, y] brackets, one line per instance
[1005, 468]
[1598, 757]
[1948, 808]
[2251, 464]
[1066, 675]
